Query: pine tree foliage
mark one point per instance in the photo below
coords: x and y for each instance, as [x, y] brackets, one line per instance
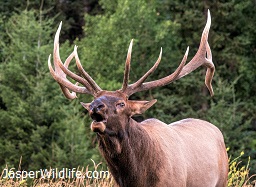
[22, 55]
[33, 124]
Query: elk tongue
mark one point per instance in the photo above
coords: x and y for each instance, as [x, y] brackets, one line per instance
[98, 126]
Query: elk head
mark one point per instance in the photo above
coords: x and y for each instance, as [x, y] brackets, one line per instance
[110, 109]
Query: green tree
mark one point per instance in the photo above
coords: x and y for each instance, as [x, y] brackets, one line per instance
[33, 124]
[22, 59]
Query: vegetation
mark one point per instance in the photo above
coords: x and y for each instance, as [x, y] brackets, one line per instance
[39, 124]
[238, 176]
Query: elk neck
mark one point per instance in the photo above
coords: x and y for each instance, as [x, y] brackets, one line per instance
[129, 153]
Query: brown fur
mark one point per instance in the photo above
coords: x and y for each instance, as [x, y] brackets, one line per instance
[189, 152]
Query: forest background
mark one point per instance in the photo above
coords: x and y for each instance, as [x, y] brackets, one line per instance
[40, 125]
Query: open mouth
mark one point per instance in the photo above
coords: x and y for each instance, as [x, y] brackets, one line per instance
[98, 117]
[99, 122]
[99, 125]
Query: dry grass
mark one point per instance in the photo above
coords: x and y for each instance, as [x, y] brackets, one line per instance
[57, 183]
[238, 177]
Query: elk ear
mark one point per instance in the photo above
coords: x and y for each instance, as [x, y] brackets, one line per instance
[86, 105]
[139, 107]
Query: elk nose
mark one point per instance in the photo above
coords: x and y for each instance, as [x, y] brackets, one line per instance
[98, 108]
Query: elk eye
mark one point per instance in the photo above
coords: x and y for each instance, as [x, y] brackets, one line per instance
[120, 104]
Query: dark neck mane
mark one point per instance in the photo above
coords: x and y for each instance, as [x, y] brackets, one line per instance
[131, 156]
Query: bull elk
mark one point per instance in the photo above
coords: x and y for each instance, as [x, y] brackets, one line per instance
[189, 152]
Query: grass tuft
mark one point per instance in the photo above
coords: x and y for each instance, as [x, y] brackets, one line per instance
[238, 175]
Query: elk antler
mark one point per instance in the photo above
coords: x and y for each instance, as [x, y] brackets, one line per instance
[61, 70]
[127, 67]
[202, 57]
[198, 60]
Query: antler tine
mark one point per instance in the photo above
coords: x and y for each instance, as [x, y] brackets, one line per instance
[74, 76]
[127, 68]
[62, 70]
[157, 83]
[210, 70]
[64, 83]
[92, 83]
[200, 58]
[145, 76]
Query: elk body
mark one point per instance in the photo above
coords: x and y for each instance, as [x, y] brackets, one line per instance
[190, 152]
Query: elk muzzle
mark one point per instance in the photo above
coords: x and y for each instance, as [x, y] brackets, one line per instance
[98, 113]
